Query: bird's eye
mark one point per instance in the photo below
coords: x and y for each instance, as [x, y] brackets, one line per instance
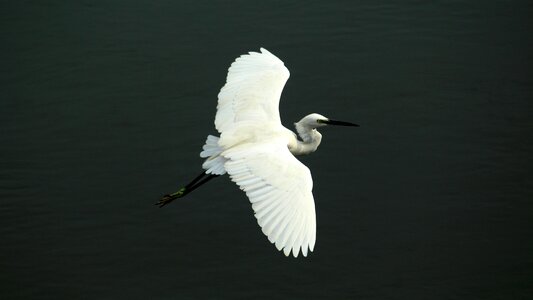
[318, 121]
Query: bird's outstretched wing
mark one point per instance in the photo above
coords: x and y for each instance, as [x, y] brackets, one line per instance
[252, 90]
[279, 188]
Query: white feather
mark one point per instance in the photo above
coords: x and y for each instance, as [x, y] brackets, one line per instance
[282, 190]
[253, 150]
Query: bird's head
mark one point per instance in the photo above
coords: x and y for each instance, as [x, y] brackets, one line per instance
[316, 120]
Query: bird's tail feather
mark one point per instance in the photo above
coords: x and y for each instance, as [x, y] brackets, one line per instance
[214, 164]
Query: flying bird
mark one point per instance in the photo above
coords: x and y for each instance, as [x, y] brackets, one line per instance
[257, 152]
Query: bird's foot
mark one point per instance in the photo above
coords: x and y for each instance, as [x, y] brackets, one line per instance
[166, 199]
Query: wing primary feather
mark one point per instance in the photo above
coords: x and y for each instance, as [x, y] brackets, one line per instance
[305, 240]
[255, 186]
[298, 243]
[277, 223]
[269, 220]
[264, 207]
[279, 233]
[289, 231]
[249, 181]
[258, 192]
[312, 235]
[291, 243]
[259, 198]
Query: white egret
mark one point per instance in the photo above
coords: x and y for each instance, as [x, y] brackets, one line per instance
[256, 150]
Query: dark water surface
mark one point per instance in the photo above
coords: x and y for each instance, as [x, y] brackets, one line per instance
[104, 106]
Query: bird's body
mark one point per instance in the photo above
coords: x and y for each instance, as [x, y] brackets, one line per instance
[257, 152]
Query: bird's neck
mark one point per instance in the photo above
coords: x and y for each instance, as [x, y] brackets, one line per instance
[311, 139]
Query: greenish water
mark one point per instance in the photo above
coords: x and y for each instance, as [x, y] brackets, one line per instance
[104, 106]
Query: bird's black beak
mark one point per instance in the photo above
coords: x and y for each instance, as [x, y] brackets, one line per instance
[340, 123]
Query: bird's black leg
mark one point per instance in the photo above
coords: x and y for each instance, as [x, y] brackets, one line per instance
[194, 184]
[199, 183]
[195, 180]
